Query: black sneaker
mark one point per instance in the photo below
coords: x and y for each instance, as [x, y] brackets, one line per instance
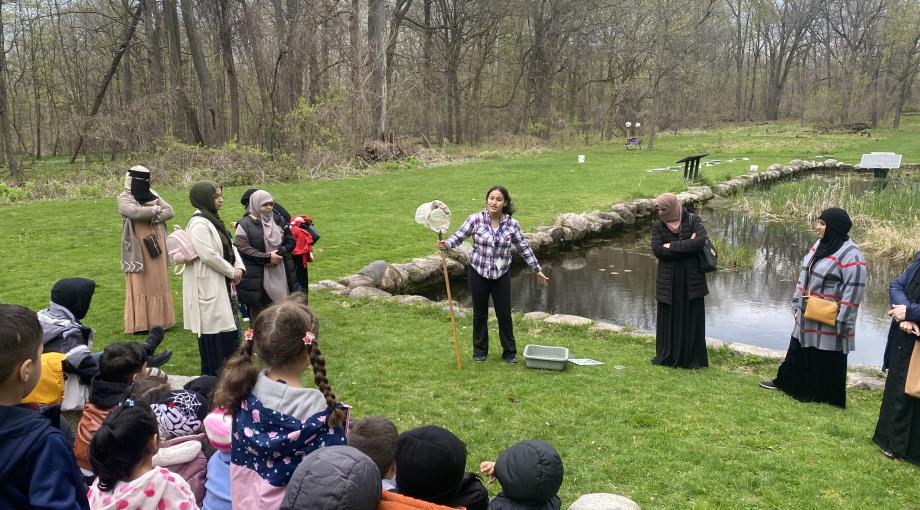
[158, 360]
[154, 339]
[888, 453]
[768, 385]
[511, 360]
[479, 359]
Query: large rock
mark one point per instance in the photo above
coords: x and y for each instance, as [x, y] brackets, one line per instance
[857, 380]
[538, 240]
[607, 327]
[394, 278]
[445, 306]
[597, 224]
[685, 197]
[615, 219]
[571, 320]
[536, 316]
[724, 188]
[461, 253]
[624, 212]
[554, 231]
[414, 300]
[371, 292]
[329, 285]
[356, 280]
[830, 162]
[577, 223]
[374, 270]
[642, 207]
[421, 270]
[703, 192]
[455, 268]
[602, 501]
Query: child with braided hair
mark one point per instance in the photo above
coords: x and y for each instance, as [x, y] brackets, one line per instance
[276, 420]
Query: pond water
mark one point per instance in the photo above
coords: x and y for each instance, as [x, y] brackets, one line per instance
[613, 281]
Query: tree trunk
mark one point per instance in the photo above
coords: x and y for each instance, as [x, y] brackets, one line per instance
[127, 81]
[36, 95]
[15, 171]
[176, 78]
[428, 78]
[226, 52]
[376, 42]
[209, 112]
[355, 65]
[100, 95]
[152, 32]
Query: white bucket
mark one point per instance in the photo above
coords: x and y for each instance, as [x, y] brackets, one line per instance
[581, 158]
[753, 168]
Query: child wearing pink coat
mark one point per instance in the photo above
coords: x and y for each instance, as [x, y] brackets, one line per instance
[122, 457]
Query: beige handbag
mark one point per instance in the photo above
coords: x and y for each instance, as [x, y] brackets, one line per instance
[821, 310]
[912, 382]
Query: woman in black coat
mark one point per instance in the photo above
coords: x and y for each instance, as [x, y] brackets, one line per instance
[898, 429]
[680, 332]
[263, 241]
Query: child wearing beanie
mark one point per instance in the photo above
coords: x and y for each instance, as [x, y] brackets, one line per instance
[530, 473]
[430, 465]
[218, 426]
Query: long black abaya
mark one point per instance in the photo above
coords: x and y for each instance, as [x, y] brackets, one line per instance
[812, 375]
[898, 427]
[680, 331]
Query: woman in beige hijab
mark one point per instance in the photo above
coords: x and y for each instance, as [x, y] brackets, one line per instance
[680, 331]
[148, 300]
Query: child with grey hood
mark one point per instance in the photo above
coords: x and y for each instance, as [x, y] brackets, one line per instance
[530, 473]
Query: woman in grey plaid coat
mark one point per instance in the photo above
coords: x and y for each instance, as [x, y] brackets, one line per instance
[815, 368]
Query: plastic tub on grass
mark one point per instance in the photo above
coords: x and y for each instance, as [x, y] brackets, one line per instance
[546, 357]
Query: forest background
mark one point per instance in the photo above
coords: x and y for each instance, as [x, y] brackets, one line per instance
[293, 88]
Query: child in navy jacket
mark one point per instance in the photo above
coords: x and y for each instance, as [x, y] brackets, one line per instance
[37, 467]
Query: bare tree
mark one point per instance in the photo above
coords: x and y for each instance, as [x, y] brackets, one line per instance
[5, 124]
[376, 42]
[126, 37]
[210, 114]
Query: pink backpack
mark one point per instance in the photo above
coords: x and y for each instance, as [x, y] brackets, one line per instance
[179, 248]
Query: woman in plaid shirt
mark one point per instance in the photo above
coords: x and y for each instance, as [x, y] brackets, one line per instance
[494, 231]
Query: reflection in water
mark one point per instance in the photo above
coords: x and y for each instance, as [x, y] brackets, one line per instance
[614, 281]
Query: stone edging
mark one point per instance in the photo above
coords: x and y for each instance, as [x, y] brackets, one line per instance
[381, 279]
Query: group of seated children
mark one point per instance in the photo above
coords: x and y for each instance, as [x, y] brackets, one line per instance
[255, 438]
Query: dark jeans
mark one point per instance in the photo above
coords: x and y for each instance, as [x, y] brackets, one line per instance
[303, 278]
[500, 290]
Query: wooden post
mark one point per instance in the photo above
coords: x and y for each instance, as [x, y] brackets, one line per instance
[450, 301]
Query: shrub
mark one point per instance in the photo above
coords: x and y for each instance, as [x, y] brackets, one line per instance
[12, 194]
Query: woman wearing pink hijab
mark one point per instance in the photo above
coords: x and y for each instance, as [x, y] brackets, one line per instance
[680, 332]
[263, 240]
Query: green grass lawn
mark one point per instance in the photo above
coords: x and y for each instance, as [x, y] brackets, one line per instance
[668, 439]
